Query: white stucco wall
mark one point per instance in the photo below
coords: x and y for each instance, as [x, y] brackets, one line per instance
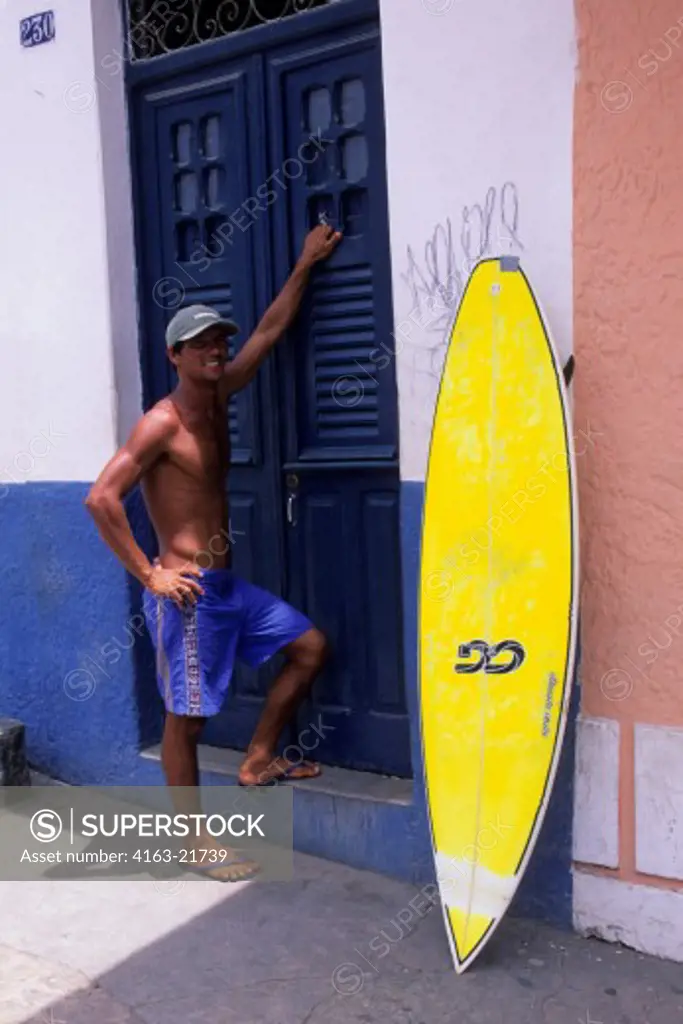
[479, 109]
[56, 327]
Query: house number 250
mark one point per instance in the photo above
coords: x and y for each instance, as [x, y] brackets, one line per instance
[487, 655]
[37, 28]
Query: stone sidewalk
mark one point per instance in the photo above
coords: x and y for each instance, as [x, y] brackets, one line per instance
[335, 946]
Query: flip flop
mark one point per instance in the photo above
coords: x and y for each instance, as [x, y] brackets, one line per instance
[205, 870]
[285, 776]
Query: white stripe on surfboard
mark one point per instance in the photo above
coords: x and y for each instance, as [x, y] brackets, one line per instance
[489, 897]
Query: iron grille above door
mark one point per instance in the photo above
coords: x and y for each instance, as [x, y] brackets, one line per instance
[156, 27]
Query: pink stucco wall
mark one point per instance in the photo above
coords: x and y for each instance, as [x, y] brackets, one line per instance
[628, 340]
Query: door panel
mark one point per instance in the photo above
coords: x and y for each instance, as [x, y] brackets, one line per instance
[198, 170]
[345, 407]
[345, 537]
[380, 537]
[340, 465]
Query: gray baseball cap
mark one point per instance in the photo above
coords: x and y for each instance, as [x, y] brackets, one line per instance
[191, 321]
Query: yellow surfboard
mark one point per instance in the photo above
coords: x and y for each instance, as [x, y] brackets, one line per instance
[498, 599]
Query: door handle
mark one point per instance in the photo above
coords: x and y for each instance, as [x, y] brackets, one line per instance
[292, 484]
[290, 508]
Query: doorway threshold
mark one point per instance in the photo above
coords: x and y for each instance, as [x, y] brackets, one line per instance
[335, 782]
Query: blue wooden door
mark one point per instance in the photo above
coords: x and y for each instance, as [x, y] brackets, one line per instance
[314, 483]
[338, 393]
[199, 153]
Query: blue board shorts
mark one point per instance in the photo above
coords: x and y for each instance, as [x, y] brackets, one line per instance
[196, 646]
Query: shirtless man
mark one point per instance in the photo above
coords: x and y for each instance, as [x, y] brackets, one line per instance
[200, 620]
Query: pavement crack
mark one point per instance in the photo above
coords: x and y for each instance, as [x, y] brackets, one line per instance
[227, 987]
[325, 999]
[266, 981]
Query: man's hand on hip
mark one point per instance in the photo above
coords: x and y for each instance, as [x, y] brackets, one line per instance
[177, 584]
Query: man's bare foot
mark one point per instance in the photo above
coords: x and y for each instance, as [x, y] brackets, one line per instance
[261, 770]
[226, 871]
[222, 863]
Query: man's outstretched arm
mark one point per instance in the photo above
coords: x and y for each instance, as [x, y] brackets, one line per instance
[241, 370]
[147, 443]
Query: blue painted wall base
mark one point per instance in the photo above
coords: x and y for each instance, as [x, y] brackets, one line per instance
[67, 636]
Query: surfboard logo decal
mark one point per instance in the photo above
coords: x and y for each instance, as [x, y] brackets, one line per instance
[487, 654]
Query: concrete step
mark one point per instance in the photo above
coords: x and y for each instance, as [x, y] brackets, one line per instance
[13, 767]
[358, 818]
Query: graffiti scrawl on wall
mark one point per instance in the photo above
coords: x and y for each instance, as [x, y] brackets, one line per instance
[436, 277]
[436, 282]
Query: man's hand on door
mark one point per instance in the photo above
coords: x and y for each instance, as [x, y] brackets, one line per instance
[319, 244]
